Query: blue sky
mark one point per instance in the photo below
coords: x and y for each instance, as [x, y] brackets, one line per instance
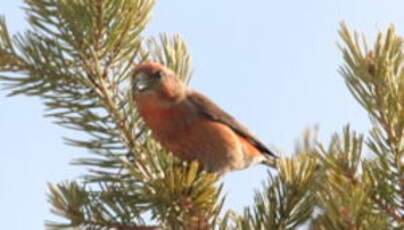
[272, 64]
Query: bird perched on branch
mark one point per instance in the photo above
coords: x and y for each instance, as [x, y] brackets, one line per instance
[191, 126]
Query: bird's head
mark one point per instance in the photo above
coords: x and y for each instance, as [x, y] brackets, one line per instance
[152, 81]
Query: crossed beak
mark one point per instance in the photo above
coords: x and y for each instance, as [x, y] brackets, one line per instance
[141, 82]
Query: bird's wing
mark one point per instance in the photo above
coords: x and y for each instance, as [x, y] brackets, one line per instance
[210, 110]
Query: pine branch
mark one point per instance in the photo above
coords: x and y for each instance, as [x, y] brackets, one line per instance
[80, 66]
[376, 79]
[343, 192]
[95, 209]
[288, 198]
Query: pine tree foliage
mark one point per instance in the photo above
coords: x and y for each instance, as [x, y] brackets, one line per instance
[288, 195]
[376, 79]
[77, 57]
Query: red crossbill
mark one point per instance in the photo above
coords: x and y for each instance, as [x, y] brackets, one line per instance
[191, 126]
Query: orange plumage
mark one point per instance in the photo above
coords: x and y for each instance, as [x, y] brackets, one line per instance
[191, 126]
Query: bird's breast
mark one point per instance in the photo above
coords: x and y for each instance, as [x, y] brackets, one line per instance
[166, 122]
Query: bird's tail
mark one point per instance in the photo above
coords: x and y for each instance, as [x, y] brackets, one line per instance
[271, 160]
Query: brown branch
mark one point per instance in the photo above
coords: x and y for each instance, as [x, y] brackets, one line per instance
[389, 211]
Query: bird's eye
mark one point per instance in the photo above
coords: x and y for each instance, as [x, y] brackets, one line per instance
[158, 74]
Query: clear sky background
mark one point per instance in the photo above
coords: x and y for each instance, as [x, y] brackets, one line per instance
[272, 64]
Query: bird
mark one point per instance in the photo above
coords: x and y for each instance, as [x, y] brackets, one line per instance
[191, 126]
